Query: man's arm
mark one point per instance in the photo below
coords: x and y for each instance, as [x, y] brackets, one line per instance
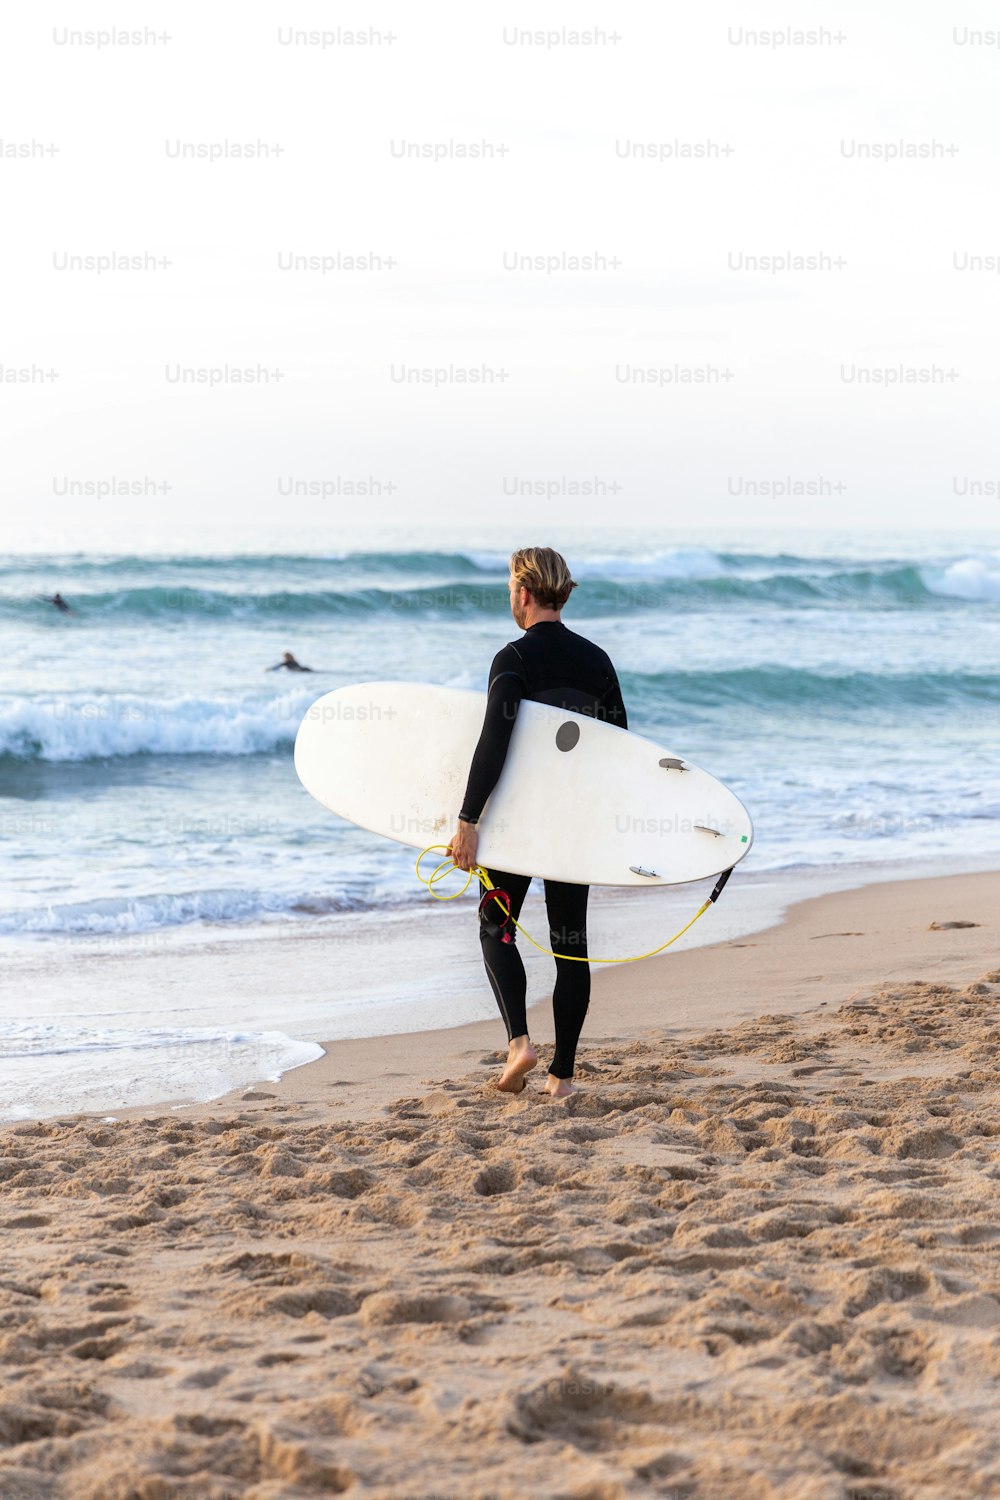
[507, 685]
[613, 704]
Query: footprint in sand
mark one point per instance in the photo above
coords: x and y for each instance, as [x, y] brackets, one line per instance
[577, 1409]
[382, 1309]
[142, 1369]
[96, 1348]
[499, 1177]
[203, 1380]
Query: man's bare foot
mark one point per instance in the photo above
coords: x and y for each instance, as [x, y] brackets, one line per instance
[521, 1058]
[560, 1088]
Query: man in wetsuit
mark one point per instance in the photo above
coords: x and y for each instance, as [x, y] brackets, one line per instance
[549, 664]
[288, 661]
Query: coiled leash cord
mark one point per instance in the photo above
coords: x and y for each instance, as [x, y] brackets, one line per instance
[494, 893]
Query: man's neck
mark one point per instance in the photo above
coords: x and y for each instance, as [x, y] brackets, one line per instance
[542, 617]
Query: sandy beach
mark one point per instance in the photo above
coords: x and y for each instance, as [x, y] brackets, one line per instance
[567, 444]
[754, 1256]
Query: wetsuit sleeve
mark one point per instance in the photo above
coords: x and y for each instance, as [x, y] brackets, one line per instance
[507, 686]
[613, 704]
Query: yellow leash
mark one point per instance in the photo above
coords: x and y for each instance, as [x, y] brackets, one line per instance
[448, 865]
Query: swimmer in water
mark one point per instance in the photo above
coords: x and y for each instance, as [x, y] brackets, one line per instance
[288, 661]
[58, 601]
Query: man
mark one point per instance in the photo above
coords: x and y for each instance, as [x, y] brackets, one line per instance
[549, 664]
[289, 663]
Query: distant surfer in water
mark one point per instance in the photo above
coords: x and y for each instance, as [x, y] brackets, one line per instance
[58, 601]
[548, 664]
[288, 661]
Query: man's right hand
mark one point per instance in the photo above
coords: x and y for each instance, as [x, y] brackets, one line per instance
[463, 846]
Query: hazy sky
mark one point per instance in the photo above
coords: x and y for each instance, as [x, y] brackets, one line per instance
[871, 377]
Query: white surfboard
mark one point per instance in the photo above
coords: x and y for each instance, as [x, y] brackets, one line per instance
[577, 800]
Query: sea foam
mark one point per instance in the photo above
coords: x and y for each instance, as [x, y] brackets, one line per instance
[78, 726]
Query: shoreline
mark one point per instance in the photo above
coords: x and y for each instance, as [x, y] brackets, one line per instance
[878, 931]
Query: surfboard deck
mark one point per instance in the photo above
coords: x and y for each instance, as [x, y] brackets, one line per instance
[578, 799]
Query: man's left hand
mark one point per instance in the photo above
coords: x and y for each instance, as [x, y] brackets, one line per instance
[463, 846]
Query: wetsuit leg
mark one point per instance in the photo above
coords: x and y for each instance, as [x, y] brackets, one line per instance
[504, 966]
[567, 911]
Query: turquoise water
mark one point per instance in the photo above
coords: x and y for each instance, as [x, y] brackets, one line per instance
[852, 701]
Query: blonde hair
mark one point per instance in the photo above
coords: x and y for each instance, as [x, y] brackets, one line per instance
[544, 573]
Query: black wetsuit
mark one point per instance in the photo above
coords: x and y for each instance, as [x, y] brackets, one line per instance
[549, 664]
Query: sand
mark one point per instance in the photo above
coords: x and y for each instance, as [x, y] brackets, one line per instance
[754, 1256]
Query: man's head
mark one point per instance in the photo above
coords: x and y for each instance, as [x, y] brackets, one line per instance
[539, 585]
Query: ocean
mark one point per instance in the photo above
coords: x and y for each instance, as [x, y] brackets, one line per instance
[846, 688]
